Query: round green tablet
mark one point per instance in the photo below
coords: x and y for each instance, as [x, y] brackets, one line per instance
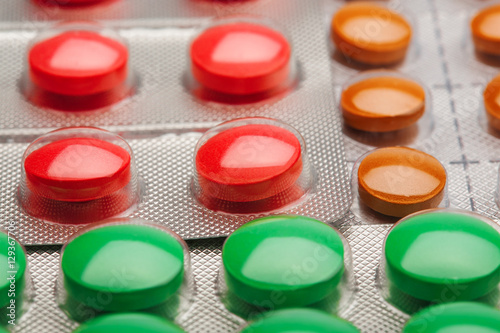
[300, 320]
[12, 271]
[128, 323]
[289, 261]
[461, 317]
[443, 256]
[3, 330]
[123, 267]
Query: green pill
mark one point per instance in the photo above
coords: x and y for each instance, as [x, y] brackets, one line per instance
[128, 323]
[300, 320]
[283, 261]
[123, 267]
[443, 256]
[461, 317]
[12, 278]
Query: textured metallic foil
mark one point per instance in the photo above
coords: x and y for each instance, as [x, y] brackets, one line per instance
[163, 121]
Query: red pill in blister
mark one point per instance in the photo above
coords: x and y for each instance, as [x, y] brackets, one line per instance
[241, 58]
[78, 63]
[69, 2]
[249, 163]
[78, 2]
[77, 169]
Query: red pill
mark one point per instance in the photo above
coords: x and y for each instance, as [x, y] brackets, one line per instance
[76, 2]
[78, 63]
[249, 163]
[241, 59]
[77, 169]
[68, 2]
[82, 1]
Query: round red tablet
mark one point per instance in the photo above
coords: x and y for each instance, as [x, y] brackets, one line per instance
[77, 169]
[248, 163]
[82, 1]
[75, 2]
[68, 2]
[78, 63]
[241, 58]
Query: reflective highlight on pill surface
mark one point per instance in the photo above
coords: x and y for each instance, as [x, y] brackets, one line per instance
[398, 181]
[240, 58]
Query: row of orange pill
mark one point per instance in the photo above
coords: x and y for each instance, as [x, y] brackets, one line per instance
[378, 36]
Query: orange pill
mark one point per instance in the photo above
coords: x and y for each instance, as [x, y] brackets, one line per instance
[491, 97]
[382, 104]
[371, 34]
[485, 27]
[398, 181]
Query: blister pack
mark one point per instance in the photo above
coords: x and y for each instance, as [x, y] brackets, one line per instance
[247, 157]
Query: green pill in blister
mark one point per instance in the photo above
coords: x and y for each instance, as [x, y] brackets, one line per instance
[123, 267]
[443, 256]
[128, 323]
[461, 317]
[283, 261]
[300, 320]
[12, 278]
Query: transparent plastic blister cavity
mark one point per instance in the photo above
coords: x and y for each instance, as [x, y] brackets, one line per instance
[239, 59]
[489, 115]
[369, 121]
[481, 40]
[475, 66]
[366, 29]
[419, 276]
[252, 165]
[17, 286]
[299, 319]
[77, 176]
[282, 262]
[164, 117]
[392, 182]
[122, 266]
[96, 77]
[451, 315]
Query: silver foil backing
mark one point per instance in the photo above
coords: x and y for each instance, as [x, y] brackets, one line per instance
[368, 311]
[163, 121]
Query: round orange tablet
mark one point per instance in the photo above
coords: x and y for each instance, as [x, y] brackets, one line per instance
[371, 34]
[382, 104]
[398, 181]
[485, 27]
[491, 97]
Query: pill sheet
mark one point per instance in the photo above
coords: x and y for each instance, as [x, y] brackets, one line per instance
[368, 311]
[163, 121]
